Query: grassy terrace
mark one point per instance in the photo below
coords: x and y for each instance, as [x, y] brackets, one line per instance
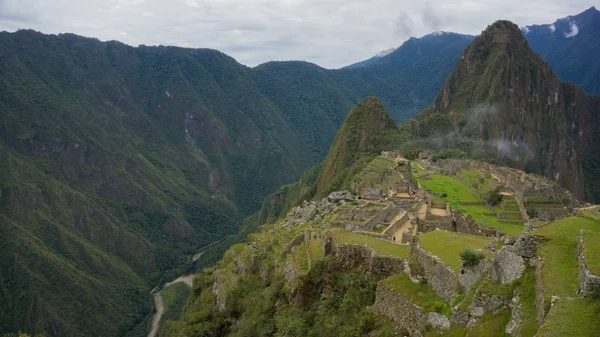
[458, 192]
[315, 249]
[560, 277]
[419, 294]
[375, 170]
[448, 245]
[454, 188]
[300, 257]
[577, 317]
[592, 250]
[380, 246]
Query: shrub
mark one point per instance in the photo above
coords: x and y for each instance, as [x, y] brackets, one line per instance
[494, 197]
[471, 257]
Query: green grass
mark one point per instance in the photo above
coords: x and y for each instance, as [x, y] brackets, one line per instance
[316, 251]
[455, 189]
[491, 325]
[526, 289]
[448, 245]
[380, 246]
[174, 299]
[459, 192]
[577, 317]
[592, 251]
[170, 294]
[478, 213]
[419, 294]
[299, 253]
[560, 273]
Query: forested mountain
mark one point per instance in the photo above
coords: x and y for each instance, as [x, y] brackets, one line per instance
[569, 45]
[120, 162]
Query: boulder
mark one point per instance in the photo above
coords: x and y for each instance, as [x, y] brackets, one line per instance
[372, 193]
[510, 241]
[340, 196]
[507, 266]
[438, 321]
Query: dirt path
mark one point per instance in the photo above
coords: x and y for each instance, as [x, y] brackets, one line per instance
[422, 211]
[400, 232]
[439, 212]
[187, 279]
[158, 302]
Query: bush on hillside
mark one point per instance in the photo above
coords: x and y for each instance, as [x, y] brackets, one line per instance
[471, 257]
[494, 198]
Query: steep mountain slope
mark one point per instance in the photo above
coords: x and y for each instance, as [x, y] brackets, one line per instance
[138, 156]
[336, 266]
[570, 45]
[118, 163]
[367, 130]
[411, 72]
[503, 102]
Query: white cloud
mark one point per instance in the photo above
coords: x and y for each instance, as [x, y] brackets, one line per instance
[552, 28]
[574, 30]
[331, 33]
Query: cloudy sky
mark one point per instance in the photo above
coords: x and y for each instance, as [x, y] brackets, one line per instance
[330, 33]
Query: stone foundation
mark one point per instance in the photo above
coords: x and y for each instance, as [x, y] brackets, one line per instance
[398, 309]
[441, 278]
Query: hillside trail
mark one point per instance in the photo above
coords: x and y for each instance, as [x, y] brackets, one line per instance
[187, 279]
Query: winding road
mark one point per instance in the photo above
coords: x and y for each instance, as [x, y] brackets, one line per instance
[187, 279]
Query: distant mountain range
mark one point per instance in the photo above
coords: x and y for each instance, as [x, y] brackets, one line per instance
[118, 163]
[571, 46]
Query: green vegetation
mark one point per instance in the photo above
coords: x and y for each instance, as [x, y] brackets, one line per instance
[491, 325]
[366, 131]
[471, 257]
[560, 273]
[576, 317]
[592, 250]
[174, 298]
[560, 278]
[457, 192]
[448, 246]
[315, 249]
[418, 293]
[263, 311]
[494, 198]
[454, 189]
[382, 247]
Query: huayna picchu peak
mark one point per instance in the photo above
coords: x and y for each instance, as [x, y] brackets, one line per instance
[164, 191]
[503, 102]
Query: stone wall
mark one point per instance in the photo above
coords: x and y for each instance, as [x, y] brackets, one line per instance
[380, 217]
[441, 278]
[527, 245]
[425, 226]
[391, 230]
[588, 282]
[398, 309]
[546, 214]
[540, 301]
[466, 224]
[362, 257]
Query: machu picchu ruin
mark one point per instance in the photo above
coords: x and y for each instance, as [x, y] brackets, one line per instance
[411, 237]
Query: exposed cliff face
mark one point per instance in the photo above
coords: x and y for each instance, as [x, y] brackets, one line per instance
[503, 101]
